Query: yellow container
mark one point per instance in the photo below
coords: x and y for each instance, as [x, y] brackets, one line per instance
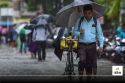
[65, 43]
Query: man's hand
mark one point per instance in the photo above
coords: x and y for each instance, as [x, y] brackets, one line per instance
[82, 31]
[100, 50]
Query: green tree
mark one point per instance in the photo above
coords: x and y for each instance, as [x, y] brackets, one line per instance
[115, 9]
[49, 6]
[112, 12]
[5, 3]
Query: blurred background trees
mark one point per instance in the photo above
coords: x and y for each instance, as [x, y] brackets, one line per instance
[5, 3]
[49, 6]
[114, 13]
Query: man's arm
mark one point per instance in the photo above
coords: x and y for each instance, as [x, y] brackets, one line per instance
[100, 34]
[76, 32]
[34, 35]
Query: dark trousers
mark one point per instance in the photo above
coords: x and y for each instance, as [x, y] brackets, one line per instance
[87, 58]
[22, 47]
[41, 46]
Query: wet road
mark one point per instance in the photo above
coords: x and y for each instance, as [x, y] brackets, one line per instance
[13, 64]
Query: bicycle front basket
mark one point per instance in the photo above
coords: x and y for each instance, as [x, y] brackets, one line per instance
[65, 45]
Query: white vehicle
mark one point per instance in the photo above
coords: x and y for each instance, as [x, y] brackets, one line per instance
[108, 48]
[119, 51]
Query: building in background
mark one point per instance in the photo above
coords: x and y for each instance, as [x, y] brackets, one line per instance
[15, 13]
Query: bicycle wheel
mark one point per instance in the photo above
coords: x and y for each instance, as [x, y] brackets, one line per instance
[69, 69]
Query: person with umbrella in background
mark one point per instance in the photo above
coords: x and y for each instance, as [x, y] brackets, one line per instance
[40, 35]
[22, 35]
[31, 44]
[87, 30]
[23, 41]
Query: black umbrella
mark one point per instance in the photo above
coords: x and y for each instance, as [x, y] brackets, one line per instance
[68, 15]
[48, 18]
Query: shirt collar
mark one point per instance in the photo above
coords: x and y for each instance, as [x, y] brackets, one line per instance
[89, 20]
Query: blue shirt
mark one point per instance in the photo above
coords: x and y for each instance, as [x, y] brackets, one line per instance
[119, 30]
[89, 35]
[122, 35]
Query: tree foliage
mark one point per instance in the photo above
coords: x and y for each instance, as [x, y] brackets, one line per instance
[49, 6]
[5, 3]
[112, 7]
[112, 12]
[115, 9]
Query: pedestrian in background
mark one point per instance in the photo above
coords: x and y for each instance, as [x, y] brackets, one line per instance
[31, 44]
[40, 34]
[120, 31]
[23, 41]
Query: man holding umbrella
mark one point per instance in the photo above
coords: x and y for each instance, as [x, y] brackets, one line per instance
[88, 30]
[82, 14]
[40, 35]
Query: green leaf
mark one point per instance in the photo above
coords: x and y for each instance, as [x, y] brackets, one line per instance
[115, 9]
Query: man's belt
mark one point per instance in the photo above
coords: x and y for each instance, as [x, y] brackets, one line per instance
[87, 44]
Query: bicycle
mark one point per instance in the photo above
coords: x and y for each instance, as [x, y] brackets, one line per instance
[69, 44]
